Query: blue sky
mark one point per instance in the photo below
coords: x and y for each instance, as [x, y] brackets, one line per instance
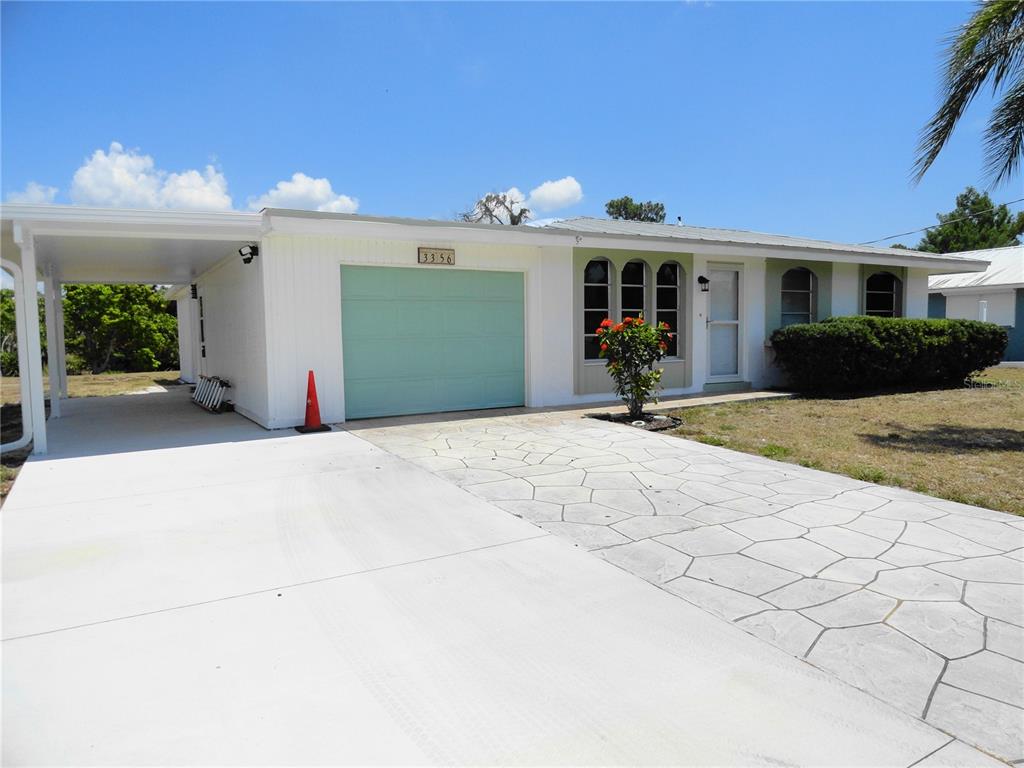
[794, 118]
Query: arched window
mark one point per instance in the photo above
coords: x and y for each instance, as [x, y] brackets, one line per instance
[883, 295]
[799, 296]
[634, 288]
[596, 304]
[668, 302]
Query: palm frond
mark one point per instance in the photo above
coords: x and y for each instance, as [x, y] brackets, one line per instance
[990, 47]
[1004, 138]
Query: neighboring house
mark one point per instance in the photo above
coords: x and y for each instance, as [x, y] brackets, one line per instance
[407, 316]
[995, 295]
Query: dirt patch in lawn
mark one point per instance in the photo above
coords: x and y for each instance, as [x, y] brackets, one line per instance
[965, 444]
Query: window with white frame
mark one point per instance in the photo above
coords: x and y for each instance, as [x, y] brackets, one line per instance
[633, 290]
[799, 296]
[667, 303]
[883, 295]
[596, 304]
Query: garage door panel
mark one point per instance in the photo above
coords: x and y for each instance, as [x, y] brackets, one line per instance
[431, 340]
[461, 318]
[372, 358]
[376, 397]
[507, 322]
[504, 390]
[458, 285]
[414, 317]
[410, 283]
[508, 286]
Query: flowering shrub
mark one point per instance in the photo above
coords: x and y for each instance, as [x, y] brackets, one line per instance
[630, 349]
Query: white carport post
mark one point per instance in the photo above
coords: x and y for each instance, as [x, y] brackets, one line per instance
[61, 348]
[50, 301]
[33, 375]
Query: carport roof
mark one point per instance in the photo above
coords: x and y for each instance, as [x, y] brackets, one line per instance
[77, 244]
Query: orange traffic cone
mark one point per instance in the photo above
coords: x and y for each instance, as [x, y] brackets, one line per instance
[312, 410]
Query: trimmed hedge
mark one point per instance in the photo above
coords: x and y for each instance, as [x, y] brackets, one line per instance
[854, 353]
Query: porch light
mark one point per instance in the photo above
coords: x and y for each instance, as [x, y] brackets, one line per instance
[248, 252]
[704, 283]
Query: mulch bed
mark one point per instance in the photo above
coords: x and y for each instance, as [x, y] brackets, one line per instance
[651, 422]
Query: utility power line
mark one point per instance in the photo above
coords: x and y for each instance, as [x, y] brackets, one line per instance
[951, 221]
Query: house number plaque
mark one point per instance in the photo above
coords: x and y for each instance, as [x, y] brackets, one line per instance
[436, 256]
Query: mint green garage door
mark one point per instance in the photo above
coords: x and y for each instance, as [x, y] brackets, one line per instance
[426, 340]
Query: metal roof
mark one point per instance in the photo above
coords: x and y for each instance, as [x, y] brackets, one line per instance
[1006, 269]
[741, 237]
[53, 219]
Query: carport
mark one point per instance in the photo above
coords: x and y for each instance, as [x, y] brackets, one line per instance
[58, 245]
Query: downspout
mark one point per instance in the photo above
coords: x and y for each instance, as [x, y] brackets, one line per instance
[26, 395]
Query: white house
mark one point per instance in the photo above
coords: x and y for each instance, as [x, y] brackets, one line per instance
[407, 316]
[995, 295]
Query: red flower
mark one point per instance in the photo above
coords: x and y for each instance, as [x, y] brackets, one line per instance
[604, 347]
[606, 323]
[640, 321]
[619, 327]
[663, 326]
[627, 320]
[663, 345]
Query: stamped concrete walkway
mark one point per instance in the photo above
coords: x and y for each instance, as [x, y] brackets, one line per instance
[916, 600]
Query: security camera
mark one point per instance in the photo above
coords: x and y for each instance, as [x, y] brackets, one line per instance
[248, 252]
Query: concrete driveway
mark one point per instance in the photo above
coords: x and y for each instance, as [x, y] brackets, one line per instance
[180, 588]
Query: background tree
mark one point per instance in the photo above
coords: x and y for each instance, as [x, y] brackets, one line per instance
[9, 332]
[989, 48]
[497, 208]
[974, 224]
[120, 327]
[625, 208]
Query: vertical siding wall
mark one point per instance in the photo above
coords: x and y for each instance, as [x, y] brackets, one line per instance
[302, 294]
[235, 333]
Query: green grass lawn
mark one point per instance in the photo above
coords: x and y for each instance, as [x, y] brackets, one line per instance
[90, 385]
[964, 444]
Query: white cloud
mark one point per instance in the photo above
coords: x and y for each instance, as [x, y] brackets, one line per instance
[553, 195]
[120, 178]
[34, 192]
[548, 196]
[305, 193]
[192, 190]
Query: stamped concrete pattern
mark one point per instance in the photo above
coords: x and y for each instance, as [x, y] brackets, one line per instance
[916, 600]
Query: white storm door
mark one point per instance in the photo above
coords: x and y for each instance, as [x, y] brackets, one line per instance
[724, 323]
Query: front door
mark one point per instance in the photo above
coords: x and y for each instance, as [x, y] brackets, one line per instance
[724, 323]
